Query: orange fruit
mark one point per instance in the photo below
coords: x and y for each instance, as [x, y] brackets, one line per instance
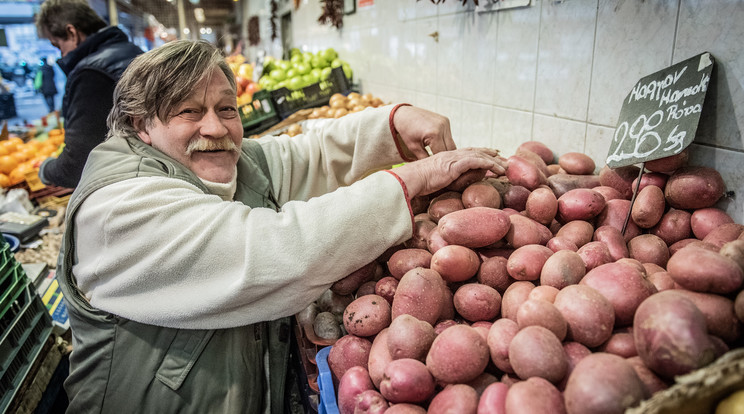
[9, 146]
[4, 180]
[7, 164]
[16, 176]
[55, 131]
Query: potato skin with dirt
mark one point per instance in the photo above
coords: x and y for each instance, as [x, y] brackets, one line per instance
[367, 315]
[474, 227]
[458, 355]
[603, 383]
[694, 187]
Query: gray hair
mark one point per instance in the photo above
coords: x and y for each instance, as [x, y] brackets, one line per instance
[55, 15]
[159, 80]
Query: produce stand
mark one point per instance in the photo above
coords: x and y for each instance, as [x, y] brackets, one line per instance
[288, 102]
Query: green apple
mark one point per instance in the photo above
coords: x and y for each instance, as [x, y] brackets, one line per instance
[336, 63]
[294, 51]
[309, 79]
[292, 72]
[295, 59]
[278, 75]
[325, 73]
[307, 57]
[303, 68]
[295, 83]
[319, 62]
[316, 72]
[283, 65]
[347, 70]
[329, 54]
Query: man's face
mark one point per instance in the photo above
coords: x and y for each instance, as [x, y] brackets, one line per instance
[204, 132]
[68, 44]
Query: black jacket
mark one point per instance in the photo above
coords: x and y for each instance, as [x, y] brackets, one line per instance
[92, 70]
[47, 81]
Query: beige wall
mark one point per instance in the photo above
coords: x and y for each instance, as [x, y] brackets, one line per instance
[555, 71]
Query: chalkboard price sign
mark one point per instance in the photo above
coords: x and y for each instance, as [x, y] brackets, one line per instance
[660, 115]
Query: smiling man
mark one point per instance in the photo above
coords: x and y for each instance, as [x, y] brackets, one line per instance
[93, 57]
[187, 247]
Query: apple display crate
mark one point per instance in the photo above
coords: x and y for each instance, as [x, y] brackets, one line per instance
[259, 114]
[288, 102]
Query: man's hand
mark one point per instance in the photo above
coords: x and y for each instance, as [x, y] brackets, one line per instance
[433, 173]
[419, 128]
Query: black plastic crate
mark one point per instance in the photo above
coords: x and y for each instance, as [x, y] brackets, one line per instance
[28, 325]
[12, 282]
[260, 114]
[318, 94]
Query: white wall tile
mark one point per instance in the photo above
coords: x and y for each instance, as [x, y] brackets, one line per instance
[477, 125]
[425, 63]
[559, 134]
[449, 107]
[515, 65]
[510, 129]
[478, 45]
[633, 40]
[407, 72]
[565, 58]
[728, 163]
[598, 140]
[449, 65]
[718, 30]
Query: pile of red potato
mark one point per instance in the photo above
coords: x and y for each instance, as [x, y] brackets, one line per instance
[521, 293]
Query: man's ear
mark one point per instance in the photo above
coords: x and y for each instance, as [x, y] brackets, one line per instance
[141, 126]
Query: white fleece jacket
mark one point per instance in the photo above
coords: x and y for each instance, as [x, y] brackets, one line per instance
[159, 251]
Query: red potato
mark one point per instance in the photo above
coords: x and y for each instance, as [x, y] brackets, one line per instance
[739, 306]
[474, 227]
[379, 357]
[349, 284]
[455, 263]
[651, 268]
[670, 163]
[534, 312]
[704, 220]
[579, 232]
[420, 203]
[334, 303]
[367, 288]
[520, 171]
[458, 354]
[534, 396]
[694, 187]
[651, 381]
[465, 179]
[563, 183]
[594, 254]
[386, 287]
[515, 197]
[406, 259]
[671, 335]
[419, 293]
[444, 204]
[603, 383]
[493, 273]
[409, 337]
[648, 207]
[621, 179]
[609, 193]
[720, 317]
[370, 402]
[527, 262]
[702, 270]
[536, 352]
[580, 204]
[589, 315]
[422, 228]
[673, 226]
[561, 243]
[561, 269]
[662, 281]
[615, 214]
[724, 234]
[634, 263]
[355, 381]
[477, 302]
[541, 205]
[734, 250]
[481, 194]
[367, 315]
[543, 292]
[575, 352]
[513, 297]
[577, 163]
[493, 399]
[620, 344]
[523, 231]
[540, 149]
[448, 302]
[407, 380]
[434, 240]
[624, 287]
[444, 324]
[675, 247]
[534, 159]
[349, 351]
[482, 382]
[649, 248]
[405, 408]
[499, 337]
[614, 241]
[656, 179]
[454, 398]
[555, 169]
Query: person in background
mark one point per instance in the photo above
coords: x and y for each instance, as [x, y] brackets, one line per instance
[48, 88]
[187, 247]
[93, 58]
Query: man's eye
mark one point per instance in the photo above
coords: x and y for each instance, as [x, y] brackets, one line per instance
[229, 111]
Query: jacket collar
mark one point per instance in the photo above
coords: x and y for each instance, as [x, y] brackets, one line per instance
[92, 43]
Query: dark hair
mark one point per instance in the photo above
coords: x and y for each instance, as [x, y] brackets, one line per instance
[159, 80]
[55, 15]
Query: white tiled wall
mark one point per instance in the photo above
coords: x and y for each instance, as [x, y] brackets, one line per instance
[555, 71]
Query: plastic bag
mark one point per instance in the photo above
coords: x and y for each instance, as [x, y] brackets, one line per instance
[37, 80]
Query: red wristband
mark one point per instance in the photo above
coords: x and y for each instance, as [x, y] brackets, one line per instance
[394, 133]
[408, 199]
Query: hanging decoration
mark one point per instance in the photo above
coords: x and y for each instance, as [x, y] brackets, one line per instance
[274, 8]
[333, 13]
[254, 35]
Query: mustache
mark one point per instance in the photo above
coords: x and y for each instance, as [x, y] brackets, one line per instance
[204, 144]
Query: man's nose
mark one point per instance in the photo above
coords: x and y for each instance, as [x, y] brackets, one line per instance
[212, 125]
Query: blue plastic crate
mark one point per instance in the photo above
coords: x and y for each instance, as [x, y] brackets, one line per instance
[327, 404]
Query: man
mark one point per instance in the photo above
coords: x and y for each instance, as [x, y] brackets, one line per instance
[93, 58]
[187, 246]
